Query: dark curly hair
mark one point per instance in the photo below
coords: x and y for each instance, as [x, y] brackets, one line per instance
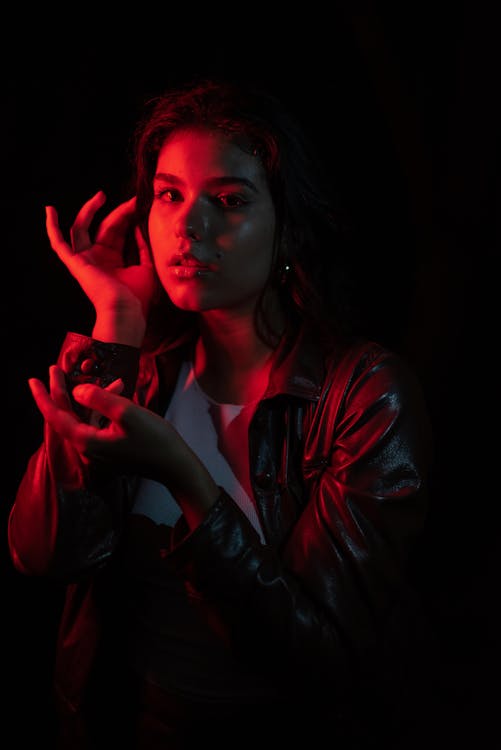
[311, 242]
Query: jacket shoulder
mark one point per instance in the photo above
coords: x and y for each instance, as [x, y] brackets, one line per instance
[368, 375]
[366, 358]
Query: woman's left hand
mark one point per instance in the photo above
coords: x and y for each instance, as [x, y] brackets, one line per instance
[134, 440]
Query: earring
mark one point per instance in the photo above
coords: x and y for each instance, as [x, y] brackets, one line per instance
[283, 274]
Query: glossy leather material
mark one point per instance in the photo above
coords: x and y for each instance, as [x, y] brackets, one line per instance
[339, 451]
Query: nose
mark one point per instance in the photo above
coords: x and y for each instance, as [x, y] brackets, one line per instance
[187, 232]
[191, 223]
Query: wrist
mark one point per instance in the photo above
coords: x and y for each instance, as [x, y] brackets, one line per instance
[120, 329]
[196, 500]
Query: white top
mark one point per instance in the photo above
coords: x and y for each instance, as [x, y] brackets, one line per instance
[218, 434]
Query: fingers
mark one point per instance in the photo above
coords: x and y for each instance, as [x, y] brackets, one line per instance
[107, 403]
[37, 389]
[116, 386]
[113, 229]
[64, 422]
[58, 398]
[79, 232]
[56, 239]
[96, 419]
[58, 390]
[144, 250]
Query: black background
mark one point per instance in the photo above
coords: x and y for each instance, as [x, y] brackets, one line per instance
[402, 100]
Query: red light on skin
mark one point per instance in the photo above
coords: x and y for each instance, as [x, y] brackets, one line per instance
[190, 272]
[211, 225]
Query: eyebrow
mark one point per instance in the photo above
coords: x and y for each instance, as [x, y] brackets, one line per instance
[212, 182]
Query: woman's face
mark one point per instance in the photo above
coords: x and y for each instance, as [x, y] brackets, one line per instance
[211, 224]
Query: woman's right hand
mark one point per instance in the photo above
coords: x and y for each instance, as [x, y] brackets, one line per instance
[121, 294]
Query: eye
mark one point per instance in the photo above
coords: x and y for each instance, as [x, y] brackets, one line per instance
[169, 195]
[230, 200]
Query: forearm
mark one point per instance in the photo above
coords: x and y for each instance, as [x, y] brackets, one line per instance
[33, 519]
[127, 327]
[66, 510]
[63, 522]
[326, 598]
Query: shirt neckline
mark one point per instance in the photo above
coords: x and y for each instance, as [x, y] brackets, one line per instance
[192, 379]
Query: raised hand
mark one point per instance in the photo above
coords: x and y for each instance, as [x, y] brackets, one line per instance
[121, 294]
[134, 439]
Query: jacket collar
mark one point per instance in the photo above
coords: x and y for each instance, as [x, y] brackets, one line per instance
[298, 369]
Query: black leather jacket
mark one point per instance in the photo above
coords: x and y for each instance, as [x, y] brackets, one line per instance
[339, 451]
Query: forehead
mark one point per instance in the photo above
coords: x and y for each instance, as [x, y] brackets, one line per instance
[192, 151]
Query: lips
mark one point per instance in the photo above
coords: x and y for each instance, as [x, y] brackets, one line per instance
[186, 266]
[191, 263]
[188, 261]
[185, 271]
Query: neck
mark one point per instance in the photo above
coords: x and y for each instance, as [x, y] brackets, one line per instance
[231, 361]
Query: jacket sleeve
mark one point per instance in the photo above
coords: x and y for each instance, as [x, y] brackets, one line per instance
[328, 599]
[66, 517]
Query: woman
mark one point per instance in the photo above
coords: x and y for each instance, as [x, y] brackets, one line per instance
[231, 482]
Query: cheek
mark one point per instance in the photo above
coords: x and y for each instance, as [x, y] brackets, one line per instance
[255, 241]
[262, 252]
[157, 229]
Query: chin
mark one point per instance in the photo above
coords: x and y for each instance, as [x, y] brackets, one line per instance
[202, 300]
[189, 302]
